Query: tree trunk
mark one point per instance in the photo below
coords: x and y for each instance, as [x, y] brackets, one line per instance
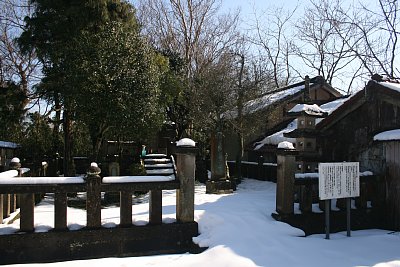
[56, 124]
[68, 144]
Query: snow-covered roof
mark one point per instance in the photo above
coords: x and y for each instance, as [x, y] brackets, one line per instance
[391, 85]
[264, 101]
[276, 138]
[314, 109]
[388, 135]
[4, 144]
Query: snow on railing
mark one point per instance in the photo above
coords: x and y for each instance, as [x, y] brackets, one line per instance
[137, 179]
[41, 180]
[8, 174]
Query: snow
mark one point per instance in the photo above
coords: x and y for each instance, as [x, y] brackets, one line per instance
[306, 175]
[8, 174]
[276, 138]
[285, 145]
[15, 160]
[263, 102]
[391, 85]
[94, 164]
[163, 171]
[4, 144]
[156, 155]
[186, 142]
[388, 135]
[138, 179]
[309, 109]
[42, 180]
[239, 232]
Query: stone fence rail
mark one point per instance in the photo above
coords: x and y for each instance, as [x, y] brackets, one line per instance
[94, 240]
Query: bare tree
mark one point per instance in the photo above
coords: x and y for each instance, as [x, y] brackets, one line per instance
[374, 36]
[320, 47]
[250, 76]
[16, 66]
[199, 33]
[274, 42]
[194, 28]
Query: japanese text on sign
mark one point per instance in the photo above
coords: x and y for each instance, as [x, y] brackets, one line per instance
[338, 180]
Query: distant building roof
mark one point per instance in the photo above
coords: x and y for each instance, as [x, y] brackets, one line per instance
[277, 137]
[390, 89]
[280, 94]
[4, 144]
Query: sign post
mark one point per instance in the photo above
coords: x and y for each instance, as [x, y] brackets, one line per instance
[338, 180]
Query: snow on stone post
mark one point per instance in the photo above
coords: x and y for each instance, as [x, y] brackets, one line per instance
[15, 164]
[185, 169]
[26, 203]
[93, 198]
[286, 159]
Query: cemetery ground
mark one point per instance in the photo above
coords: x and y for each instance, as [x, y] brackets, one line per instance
[239, 231]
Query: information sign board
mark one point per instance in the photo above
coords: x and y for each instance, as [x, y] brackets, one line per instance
[338, 180]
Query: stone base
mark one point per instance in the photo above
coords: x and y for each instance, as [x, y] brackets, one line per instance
[220, 187]
[54, 246]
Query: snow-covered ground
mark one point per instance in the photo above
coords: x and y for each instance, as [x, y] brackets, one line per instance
[239, 231]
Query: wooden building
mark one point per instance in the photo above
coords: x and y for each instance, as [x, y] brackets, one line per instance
[268, 114]
[364, 128]
[347, 134]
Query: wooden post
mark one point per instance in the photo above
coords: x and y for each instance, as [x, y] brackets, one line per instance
[185, 165]
[260, 172]
[155, 205]
[306, 198]
[125, 208]
[285, 182]
[93, 197]
[60, 211]
[27, 202]
[6, 205]
[1, 208]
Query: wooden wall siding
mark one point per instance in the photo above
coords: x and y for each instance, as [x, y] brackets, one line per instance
[393, 183]
[347, 138]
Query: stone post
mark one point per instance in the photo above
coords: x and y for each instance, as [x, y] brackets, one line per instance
[219, 183]
[260, 169]
[285, 182]
[185, 169]
[14, 165]
[218, 170]
[93, 198]
[27, 203]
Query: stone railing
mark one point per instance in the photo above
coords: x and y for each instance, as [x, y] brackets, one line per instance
[93, 240]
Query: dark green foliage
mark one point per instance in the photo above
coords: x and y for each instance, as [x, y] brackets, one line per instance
[98, 67]
[12, 100]
[37, 142]
[118, 76]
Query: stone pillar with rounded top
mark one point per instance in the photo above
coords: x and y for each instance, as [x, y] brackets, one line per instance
[93, 197]
[185, 152]
[286, 159]
[15, 164]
